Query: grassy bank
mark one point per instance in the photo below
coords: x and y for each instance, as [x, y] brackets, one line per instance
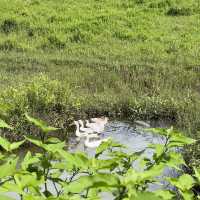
[133, 59]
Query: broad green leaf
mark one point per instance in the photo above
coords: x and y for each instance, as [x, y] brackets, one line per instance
[54, 147]
[97, 181]
[15, 145]
[70, 159]
[1, 156]
[145, 196]
[159, 149]
[79, 185]
[53, 140]
[29, 159]
[109, 164]
[40, 124]
[82, 161]
[3, 124]
[48, 147]
[33, 197]
[28, 180]
[105, 145]
[8, 168]
[5, 144]
[134, 177]
[160, 131]
[36, 142]
[166, 195]
[184, 182]
[188, 195]
[11, 186]
[180, 140]
[4, 197]
[176, 159]
[197, 173]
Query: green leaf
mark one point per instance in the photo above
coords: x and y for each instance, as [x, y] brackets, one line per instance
[5, 144]
[160, 131]
[109, 164]
[10, 186]
[184, 182]
[188, 195]
[8, 168]
[54, 147]
[175, 160]
[166, 195]
[28, 160]
[33, 197]
[96, 181]
[53, 140]
[180, 140]
[4, 197]
[24, 180]
[3, 124]
[36, 142]
[197, 173]
[105, 145]
[15, 145]
[41, 124]
[145, 196]
[134, 177]
[71, 160]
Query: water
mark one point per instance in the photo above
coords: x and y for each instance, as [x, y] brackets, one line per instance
[132, 136]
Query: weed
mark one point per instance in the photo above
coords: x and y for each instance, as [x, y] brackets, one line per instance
[179, 11]
[9, 25]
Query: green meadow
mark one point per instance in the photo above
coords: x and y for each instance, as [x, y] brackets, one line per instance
[130, 59]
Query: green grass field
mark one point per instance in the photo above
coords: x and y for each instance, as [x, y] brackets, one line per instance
[136, 59]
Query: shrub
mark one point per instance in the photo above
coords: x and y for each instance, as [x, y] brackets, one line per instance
[175, 11]
[7, 45]
[9, 25]
[87, 177]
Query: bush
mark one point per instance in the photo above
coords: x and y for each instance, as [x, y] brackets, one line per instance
[8, 45]
[87, 177]
[175, 11]
[9, 25]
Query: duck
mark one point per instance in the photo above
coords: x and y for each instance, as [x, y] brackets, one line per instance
[96, 127]
[78, 133]
[100, 120]
[94, 143]
[85, 130]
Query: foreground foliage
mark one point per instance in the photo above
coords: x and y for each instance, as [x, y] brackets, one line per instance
[110, 170]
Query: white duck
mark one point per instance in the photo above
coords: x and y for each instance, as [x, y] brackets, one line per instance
[99, 124]
[94, 143]
[78, 133]
[101, 120]
[85, 130]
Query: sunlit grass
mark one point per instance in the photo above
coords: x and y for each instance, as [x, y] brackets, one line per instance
[132, 58]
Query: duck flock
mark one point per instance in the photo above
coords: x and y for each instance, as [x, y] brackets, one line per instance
[91, 130]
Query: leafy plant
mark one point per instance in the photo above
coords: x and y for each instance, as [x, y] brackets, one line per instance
[110, 170]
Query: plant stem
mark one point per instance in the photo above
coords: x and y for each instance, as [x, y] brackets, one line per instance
[57, 192]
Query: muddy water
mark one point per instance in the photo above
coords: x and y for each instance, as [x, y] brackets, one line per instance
[131, 135]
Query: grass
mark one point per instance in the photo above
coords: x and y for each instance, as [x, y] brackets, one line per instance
[132, 59]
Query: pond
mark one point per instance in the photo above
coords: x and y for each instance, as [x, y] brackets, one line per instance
[132, 135]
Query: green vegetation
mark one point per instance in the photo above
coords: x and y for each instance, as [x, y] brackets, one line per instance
[88, 177]
[132, 59]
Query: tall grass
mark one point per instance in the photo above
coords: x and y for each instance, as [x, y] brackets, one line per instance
[132, 59]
